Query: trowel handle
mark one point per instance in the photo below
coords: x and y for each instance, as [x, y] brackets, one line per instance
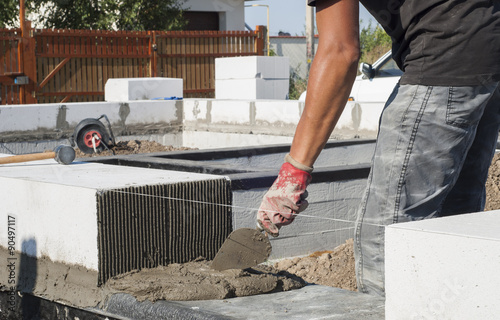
[28, 157]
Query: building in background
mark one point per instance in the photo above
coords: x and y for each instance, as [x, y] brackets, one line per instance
[217, 15]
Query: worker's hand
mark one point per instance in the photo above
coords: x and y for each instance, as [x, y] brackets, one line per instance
[285, 199]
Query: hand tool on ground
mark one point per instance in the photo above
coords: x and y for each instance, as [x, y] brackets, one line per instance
[92, 136]
[62, 154]
[244, 248]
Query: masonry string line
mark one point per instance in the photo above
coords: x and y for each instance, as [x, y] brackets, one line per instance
[238, 207]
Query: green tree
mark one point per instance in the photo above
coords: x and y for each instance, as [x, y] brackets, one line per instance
[374, 42]
[109, 14]
[151, 15]
[9, 11]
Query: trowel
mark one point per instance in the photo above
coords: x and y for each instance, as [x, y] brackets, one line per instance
[244, 248]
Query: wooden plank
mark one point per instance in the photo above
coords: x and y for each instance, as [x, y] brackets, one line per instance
[95, 76]
[53, 72]
[79, 75]
[45, 66]
[74, 70]
[3, 95]
[3, 50]
[87, 70]
[51, 65]
[198, 61]
[67, 68]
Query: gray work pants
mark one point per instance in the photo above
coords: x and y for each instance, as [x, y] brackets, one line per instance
[433, 151]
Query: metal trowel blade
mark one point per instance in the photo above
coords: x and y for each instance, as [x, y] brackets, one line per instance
[244, 248]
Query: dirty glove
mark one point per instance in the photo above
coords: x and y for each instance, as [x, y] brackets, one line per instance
[285, 198]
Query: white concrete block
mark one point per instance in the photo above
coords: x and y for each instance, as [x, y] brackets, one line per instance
[55, 206]
[281, 89]
[196, 109]
[253, 67]
[27, 117]
[129, 89]
[230, 112]
[251, 89]
[282, 68]
[284, 112]
[445, 268]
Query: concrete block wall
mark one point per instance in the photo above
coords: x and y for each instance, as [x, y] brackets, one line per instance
[327, 223]
[444, 268]
[197, 123]
[212, 123]
[35, 128]
[255, 77]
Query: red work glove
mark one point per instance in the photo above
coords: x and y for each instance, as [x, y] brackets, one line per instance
[285, 198]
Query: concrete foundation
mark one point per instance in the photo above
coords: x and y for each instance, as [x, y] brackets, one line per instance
[196, 123]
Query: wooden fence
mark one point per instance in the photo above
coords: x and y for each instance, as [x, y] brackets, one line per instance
[10, 41]
[48, 66]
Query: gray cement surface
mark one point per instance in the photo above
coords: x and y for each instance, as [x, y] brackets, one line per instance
[311, 302]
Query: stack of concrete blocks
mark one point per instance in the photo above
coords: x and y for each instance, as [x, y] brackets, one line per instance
[250, 78]
[130, 89]
[445, 268]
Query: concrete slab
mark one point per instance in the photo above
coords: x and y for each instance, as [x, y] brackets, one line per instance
[448, 266]
[312, 302]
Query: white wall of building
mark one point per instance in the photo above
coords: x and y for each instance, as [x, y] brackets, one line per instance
[231, 12]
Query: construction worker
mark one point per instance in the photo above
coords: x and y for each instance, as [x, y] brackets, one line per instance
[438, 130]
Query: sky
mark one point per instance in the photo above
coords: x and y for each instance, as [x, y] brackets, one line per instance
[286, 16]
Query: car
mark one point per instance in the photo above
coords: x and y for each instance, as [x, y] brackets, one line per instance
[370, 91]
[376, 83]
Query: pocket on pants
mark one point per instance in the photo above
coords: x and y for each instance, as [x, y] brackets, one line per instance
[465, 105]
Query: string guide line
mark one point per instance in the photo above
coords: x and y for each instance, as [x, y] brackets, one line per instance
[236, 207]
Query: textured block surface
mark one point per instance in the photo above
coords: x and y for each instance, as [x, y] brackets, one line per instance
[445, 268]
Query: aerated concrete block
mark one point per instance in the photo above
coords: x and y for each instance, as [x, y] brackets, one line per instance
[444, 268]
[112, 219]
[129, 89]
[256, 77]
[254, 67]
[251, 89]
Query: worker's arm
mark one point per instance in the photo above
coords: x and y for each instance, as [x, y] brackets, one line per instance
[331, 77]
[330, 81]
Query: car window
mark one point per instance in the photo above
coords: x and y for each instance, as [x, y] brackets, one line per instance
[388, 69]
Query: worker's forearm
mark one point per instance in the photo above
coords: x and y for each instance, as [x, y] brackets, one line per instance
[329, 86]
[331, 77]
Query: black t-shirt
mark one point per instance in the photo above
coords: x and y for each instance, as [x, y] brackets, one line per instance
[442, 42]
